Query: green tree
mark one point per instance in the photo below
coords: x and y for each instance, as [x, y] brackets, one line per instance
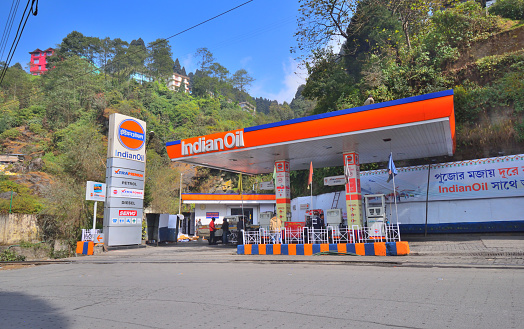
[412, 14]
[74, 44]
[160, 62]
[205, 59]
[320, 22]
[242, 80]
[69, 89]
[218, 71]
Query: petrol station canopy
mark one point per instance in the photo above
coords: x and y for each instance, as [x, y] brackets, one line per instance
[410, 128]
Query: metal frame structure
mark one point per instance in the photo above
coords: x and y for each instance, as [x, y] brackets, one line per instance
[329, 235]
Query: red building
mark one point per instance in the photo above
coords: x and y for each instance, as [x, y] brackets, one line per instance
[38, 62]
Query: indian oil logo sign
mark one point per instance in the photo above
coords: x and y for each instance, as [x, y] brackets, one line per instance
[131, 134]
[212, 143]
[127, 138]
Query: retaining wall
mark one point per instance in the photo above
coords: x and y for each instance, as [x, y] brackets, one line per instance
[15, 228]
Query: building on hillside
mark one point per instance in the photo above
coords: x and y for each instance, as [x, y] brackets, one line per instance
[141, 78]
[248, 107]
[178, 80]
[38, 63]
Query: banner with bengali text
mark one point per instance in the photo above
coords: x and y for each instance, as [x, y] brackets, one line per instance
[473, 179]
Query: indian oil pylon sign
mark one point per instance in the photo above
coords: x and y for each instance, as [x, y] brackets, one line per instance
[125, 180]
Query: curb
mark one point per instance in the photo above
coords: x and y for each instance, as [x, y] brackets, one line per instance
[400, 248]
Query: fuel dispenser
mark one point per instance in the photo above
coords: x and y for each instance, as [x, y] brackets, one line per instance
[334, 218]
[264, 219]
[375, 214]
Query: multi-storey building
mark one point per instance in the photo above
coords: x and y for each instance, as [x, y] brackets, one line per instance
[178, 80]
[38, 63]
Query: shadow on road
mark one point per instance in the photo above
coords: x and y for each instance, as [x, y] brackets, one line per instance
[20, 310]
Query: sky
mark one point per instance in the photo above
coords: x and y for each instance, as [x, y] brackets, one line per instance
[256, 37]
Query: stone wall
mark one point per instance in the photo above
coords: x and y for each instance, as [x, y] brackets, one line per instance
[18, 227]
[499, 44]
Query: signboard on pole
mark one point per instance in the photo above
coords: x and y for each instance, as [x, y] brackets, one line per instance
[266, 185]
[95, 191]
[334, 180]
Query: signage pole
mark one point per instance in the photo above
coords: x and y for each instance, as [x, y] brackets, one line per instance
[180, 198]
[94, 217]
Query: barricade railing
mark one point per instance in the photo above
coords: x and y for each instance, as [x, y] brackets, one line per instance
[378, 232]
[294, 236]
[89, 234]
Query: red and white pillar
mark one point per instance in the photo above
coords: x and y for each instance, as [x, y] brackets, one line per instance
[353, 192]
[283, 190]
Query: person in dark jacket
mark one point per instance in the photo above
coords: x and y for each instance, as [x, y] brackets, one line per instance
[225, 231]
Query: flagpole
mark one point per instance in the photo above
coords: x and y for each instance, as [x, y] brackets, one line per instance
[311, 196]
[241, 195]
[394, 190]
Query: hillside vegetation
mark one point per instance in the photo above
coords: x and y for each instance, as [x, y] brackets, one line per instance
[391, 50]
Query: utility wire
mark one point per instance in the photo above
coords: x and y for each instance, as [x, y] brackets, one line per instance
[32, 10]
[132, 53]
[8, 26]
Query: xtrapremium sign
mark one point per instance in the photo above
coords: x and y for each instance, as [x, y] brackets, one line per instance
[127, 138]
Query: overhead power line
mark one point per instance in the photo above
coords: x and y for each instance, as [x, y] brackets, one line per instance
[8, 26]
[32, 10]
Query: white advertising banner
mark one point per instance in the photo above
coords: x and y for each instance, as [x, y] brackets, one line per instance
[127, 138]
[95, 191]
[473, 179]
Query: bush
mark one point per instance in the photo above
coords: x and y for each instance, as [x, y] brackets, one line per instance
[11, 256]
[512, 9]
[12, 133]
[36, 128]
[459, 26]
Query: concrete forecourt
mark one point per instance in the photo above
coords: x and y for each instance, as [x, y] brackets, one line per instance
[468, 283]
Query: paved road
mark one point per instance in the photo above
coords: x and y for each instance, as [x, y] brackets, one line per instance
[198, 286]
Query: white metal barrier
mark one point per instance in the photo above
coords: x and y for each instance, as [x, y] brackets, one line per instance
[355, 234]
[294, 236]
[89, 234]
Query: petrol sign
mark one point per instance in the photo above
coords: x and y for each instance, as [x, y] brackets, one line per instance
[125, 182]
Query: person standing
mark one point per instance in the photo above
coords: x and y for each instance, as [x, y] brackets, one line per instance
[274, 228]
[225, 231]
[369, 101]
[212, 230]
